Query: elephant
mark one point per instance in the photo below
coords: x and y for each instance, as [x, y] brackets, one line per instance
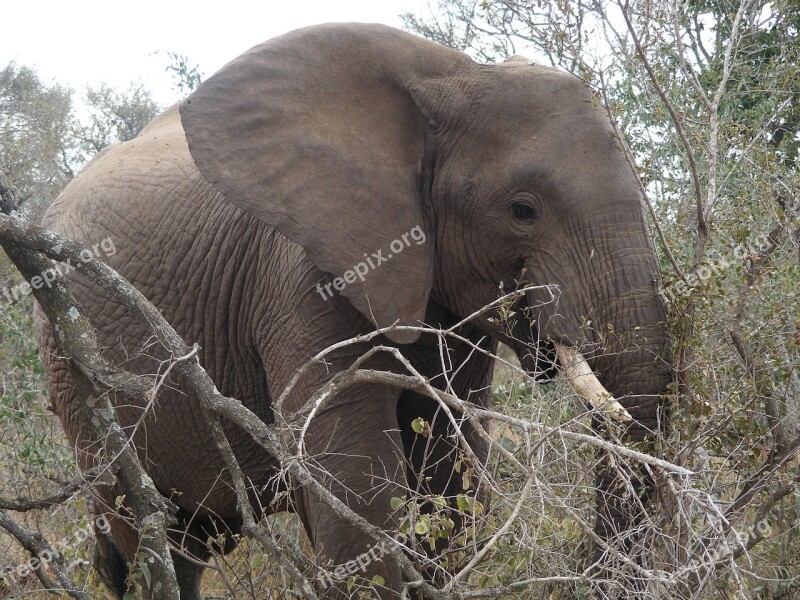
[328, 183]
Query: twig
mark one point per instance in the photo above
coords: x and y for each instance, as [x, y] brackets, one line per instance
[676, 121]
[76, 484]
[44, 555]
[475, 560]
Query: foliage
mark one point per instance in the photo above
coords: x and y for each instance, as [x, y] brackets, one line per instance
[186, 77]
[36, 149]
[115, 116]
[43, 142]
[708, 94]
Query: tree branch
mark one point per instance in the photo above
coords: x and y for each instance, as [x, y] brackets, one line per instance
[76, 484]
[94, 378]
[44, 555]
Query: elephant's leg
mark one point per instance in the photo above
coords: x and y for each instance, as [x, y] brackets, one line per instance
[118, 543]
[431, 465]
[191, 536]
[354, 449]
[431, 460]
[116, 540]
[188, 574]
[110, 564]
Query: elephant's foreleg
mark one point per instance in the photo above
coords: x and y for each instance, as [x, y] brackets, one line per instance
[431, 465]
[353, 447]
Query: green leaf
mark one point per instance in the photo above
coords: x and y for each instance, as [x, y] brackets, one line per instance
[378, 580]
[422, 526]
[405, 526]
[468, 504]
[418, 425]
[397, 501]
[145, 571]
[439, 502]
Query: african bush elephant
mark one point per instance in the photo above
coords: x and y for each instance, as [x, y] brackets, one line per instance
[334, 180]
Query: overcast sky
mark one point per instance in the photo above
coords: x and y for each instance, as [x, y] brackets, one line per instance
[83, 43]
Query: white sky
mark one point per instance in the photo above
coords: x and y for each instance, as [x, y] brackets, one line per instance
[86, 42]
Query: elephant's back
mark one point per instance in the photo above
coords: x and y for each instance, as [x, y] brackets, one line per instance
[167, 225]
[131, 185]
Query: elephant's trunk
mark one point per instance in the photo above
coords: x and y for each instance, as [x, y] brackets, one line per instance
[610, 313]
[626, 343]
[634, 364]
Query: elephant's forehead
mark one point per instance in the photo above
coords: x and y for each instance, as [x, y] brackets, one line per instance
[544, 130]
[522, 108]
[528, 89]
[519, 137]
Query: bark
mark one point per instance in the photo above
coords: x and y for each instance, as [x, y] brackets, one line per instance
[93, 378]
[43, 554]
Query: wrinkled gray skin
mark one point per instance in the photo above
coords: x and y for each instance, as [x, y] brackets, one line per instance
[280, 173]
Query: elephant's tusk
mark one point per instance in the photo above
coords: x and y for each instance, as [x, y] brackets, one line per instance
[585, 382]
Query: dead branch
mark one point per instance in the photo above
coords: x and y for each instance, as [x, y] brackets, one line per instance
[43, 555]
[78, 483]
[94, 378]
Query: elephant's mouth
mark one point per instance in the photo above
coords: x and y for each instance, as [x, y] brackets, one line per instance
[542, 357]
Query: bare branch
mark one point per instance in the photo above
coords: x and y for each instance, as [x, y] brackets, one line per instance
[676, 121]
[76, 484]
[45, 556]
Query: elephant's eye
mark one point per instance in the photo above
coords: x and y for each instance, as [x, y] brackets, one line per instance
[523, 211]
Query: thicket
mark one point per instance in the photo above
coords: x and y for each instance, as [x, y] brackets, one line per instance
[707, 94]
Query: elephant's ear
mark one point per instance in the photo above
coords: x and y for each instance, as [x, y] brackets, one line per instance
[316, 133]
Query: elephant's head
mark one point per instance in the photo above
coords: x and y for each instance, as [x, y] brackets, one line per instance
[346, 137]
[529, 184]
